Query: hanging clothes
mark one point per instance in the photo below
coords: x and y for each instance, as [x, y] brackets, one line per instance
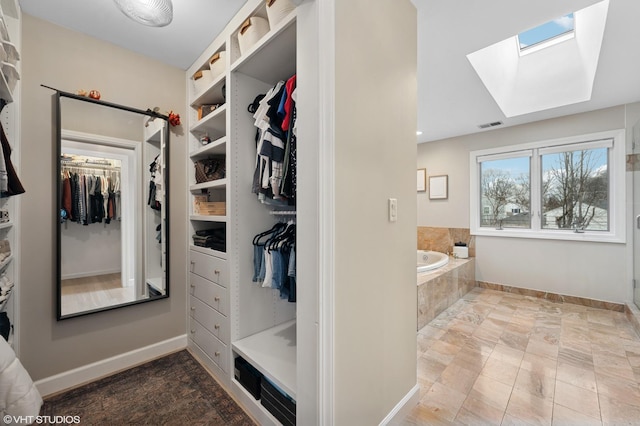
[274, 260]
[275, 167]
[14, 186]
[156, 192]
[86, 195]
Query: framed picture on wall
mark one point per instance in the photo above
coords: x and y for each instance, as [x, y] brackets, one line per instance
[438, 187]
[422, 180]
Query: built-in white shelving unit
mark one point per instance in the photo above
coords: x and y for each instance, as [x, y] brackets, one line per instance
[260, 327]
[10, 37]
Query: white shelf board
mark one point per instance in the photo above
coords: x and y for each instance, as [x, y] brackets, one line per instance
[273, 58]
[216, 147]
[210, 252]
[273, 353]
[212, 123]
[220, 183]
[207, 218]
[212, 94]
[154, 135]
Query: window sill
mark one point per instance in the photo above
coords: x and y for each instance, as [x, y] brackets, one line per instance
[596, 237]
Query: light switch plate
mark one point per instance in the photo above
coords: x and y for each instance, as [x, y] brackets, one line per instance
[393, 209]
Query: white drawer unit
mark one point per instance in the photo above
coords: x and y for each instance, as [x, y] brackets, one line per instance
[209, 344]
[210, 267]
[211, 319]
[210, 293]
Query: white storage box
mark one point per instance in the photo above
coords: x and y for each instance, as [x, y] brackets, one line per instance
[201, 80]
[277, 10]
[251, 31]
[11, 75]
[217, 64]
[11, 52]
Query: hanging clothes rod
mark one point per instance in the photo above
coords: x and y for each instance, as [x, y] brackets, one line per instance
[283, 212]
[148, 112]
[80, 164]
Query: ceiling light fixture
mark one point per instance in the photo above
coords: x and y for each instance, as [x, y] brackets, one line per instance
[153, 13]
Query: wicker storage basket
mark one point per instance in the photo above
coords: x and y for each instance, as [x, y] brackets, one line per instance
[277, 10]
[209, 169]
[251, 31]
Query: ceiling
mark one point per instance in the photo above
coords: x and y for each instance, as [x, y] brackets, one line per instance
[452, 100]
[195, 24]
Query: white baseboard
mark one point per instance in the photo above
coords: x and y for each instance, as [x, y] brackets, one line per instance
[403, 408]
[87, 373]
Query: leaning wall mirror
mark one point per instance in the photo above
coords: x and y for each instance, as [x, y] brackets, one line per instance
[112, 209]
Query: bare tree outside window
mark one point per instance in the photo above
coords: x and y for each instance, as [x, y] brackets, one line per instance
[576, 190]
[505, 193]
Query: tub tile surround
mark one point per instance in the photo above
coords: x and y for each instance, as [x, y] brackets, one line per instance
[440, 288]
[443, 239]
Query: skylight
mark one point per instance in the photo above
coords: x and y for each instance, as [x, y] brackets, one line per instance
[546, 32]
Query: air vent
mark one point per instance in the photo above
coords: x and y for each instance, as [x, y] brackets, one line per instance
[493, 124]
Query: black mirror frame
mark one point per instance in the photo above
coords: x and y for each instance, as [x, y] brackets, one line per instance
[58, 152]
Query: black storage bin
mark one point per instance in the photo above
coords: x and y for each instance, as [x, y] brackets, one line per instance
[278, 403]
[248, 376]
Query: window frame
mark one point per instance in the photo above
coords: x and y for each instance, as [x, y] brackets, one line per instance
[616, 187]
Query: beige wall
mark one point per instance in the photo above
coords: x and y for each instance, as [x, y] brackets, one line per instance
[69, 61]
[375, 149]
[584, 269]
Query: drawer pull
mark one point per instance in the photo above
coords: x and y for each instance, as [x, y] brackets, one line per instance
[193, 286]
[217, 326]
[217, 299]
[216, 353]
[193, 308]
[193, 331]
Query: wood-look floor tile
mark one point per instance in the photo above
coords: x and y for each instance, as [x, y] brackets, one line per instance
[539, 364]
[578, 399]
[542, 348]
[507, 354]
[421, 416]
[504, 358]
[491, 392]
[475, 412]
[615, 412]
[529, 408]
[500, 371]
[429, 368]
[563, 416]
[458, 378]
[443, 401]
[625, 391]
[535, 383]
[577, 376]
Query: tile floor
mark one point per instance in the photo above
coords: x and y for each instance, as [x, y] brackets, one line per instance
[500, 358]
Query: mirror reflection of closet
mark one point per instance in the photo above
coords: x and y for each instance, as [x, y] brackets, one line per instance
[112, 206]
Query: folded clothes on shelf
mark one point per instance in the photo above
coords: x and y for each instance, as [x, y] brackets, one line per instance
[211, 238]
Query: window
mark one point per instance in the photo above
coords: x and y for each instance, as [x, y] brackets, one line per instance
[569, 188]
[546, 32]
[504, 189]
